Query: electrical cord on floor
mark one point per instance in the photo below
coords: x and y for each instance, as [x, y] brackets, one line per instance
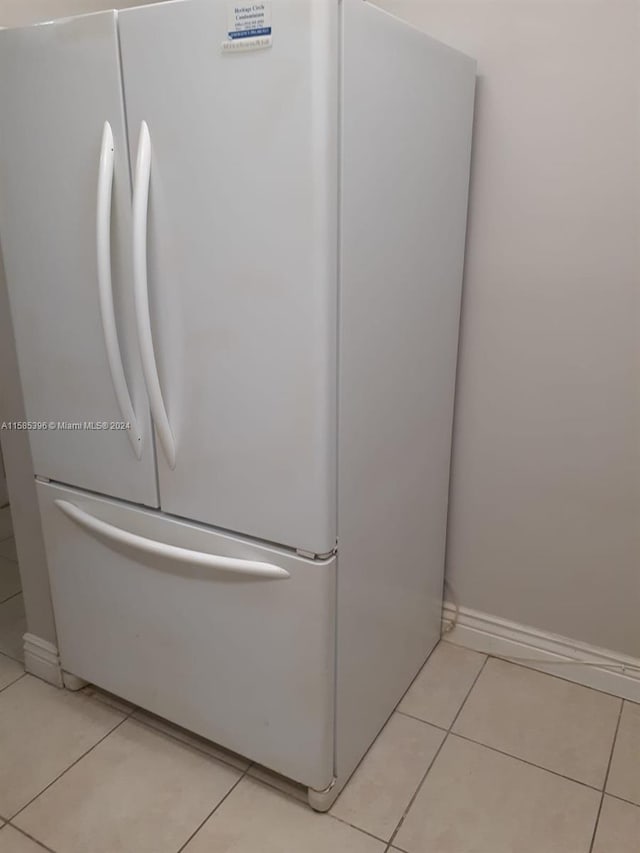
[620, 667]
[451, 623]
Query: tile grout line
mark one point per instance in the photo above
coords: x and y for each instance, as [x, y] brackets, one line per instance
[15, 680]
[622, 799]
[30, 837]
[435, 757]
[13, 595]
[606, 778]
[525, 761]
[214, 809]
[420, 720]
[66, 770]
[359, 828]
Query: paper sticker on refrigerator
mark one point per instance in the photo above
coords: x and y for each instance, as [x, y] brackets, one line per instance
[248, 26]
[248, 20]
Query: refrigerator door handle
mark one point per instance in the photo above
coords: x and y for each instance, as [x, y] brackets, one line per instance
[252, 568]
[141, 295]
[105, 289]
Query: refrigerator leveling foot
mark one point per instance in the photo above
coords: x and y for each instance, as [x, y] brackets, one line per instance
[321, 801]
[73, 682]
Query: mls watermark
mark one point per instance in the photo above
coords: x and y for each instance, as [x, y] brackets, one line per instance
[65, 426]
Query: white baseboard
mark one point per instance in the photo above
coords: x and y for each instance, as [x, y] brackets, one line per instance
[42, 660]
[611, 672]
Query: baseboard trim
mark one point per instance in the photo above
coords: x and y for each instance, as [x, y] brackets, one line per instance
[611, 672]
[41, 659]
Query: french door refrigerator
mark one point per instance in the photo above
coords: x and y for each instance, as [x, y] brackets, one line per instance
[233, 238]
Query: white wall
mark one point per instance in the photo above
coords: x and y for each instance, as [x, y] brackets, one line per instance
[545, 502]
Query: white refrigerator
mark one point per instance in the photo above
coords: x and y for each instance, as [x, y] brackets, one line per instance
[233, 236]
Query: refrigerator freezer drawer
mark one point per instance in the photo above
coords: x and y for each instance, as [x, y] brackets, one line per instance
[228, 638]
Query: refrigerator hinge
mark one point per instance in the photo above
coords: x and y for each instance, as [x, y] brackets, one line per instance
[311, 555]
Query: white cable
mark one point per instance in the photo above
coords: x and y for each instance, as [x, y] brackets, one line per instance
[451, 623]
[623, 667]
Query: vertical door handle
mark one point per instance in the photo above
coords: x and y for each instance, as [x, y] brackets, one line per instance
[141, 294]
[105, 289]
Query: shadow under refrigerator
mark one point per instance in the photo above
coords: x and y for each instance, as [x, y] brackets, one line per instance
[233, 237]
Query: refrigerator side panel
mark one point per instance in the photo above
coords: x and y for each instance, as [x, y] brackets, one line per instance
[407, 108]
[59, 83]
[242, 259]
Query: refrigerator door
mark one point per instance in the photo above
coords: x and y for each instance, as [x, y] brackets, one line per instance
[236, 145]
[232, 640]
[65, 229]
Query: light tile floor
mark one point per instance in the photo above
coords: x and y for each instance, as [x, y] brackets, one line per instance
[482, 756]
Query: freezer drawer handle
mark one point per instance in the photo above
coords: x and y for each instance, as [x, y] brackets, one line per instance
[141, 294]
[105, 289]
[253, 568]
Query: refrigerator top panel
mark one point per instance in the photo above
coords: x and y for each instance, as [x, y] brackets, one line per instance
[240, 110]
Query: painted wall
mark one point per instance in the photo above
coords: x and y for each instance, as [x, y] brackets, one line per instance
[545, 499]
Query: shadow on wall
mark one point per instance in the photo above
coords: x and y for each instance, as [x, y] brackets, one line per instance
[4, 494]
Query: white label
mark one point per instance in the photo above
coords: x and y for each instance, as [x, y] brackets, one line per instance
[249, 21]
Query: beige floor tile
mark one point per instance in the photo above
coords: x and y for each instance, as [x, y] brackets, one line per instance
[10, 671]
[191, 739]
[258, 819]
[9, 579]
[618, 828]
[475, 800]
[43, 730]
[275, 780]
[548, 721]
[441, 687]
[137, 792]
[13, 625]
[624, 775]
[6, 526]
[12, 841]
[8, 549]
[381, 788]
